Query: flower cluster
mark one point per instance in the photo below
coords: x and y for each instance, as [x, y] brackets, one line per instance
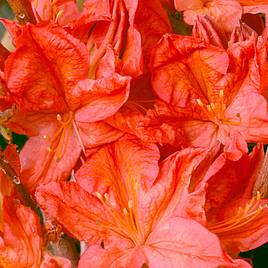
[146, 123]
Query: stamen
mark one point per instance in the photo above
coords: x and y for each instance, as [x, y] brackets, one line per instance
[79, 137]
[99, 196]
[122, 224]
[243, 216]
[58, 15]
[221, 93]
[106, 196]
[36, 3]
[59, 118]
[199, 102]
[212, 105]
[209, 108]
[59, 142]
[125, 212]
[130, 204]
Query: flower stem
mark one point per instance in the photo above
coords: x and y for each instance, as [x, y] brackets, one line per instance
[20, 189]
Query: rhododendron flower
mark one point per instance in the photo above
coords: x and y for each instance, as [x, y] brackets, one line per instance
[57, 105]
[225, 13]
[233, 212]
[21, 243]
[210, 93]
[139, 218]
[204, 28]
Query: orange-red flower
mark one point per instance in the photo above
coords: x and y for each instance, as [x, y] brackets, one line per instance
[210, 93]
[225, 13]
[57, 105]
[21, 243]
[128, 215]
[234, 212]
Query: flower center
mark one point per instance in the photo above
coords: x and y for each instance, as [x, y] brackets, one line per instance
[241, 218]
[215, 111]
[59, 141]
[124, 222]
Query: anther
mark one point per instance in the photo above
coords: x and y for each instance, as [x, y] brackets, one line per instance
[130, 204]
[125, 212]
[258, 196]
[199, 102]
[212, 105]
[45, 137]
[99, 196]
[221, 93]
[59, 118]
[209, 108]
[58, 15]
[106, 196]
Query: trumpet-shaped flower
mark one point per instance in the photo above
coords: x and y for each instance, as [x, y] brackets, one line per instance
[210, 93]
[57, 105]
[234, 212]
[130, 216]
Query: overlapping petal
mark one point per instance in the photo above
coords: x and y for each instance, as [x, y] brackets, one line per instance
[237, 216]
[47, 64]
[21, 242]
[137, 223]
[226, 13]
[210, 88]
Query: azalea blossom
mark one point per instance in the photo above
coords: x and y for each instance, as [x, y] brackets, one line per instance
[71, 104]
[137, 142]
[225, 191]
[225, 13]
[210, 93]
[138, 217]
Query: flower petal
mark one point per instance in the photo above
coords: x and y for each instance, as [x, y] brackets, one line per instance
[57, 147]
[69, 204]
[46, 65]
[96, 256]
[101, 98]
[122, 162]
[21, 245]
[184, 242]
